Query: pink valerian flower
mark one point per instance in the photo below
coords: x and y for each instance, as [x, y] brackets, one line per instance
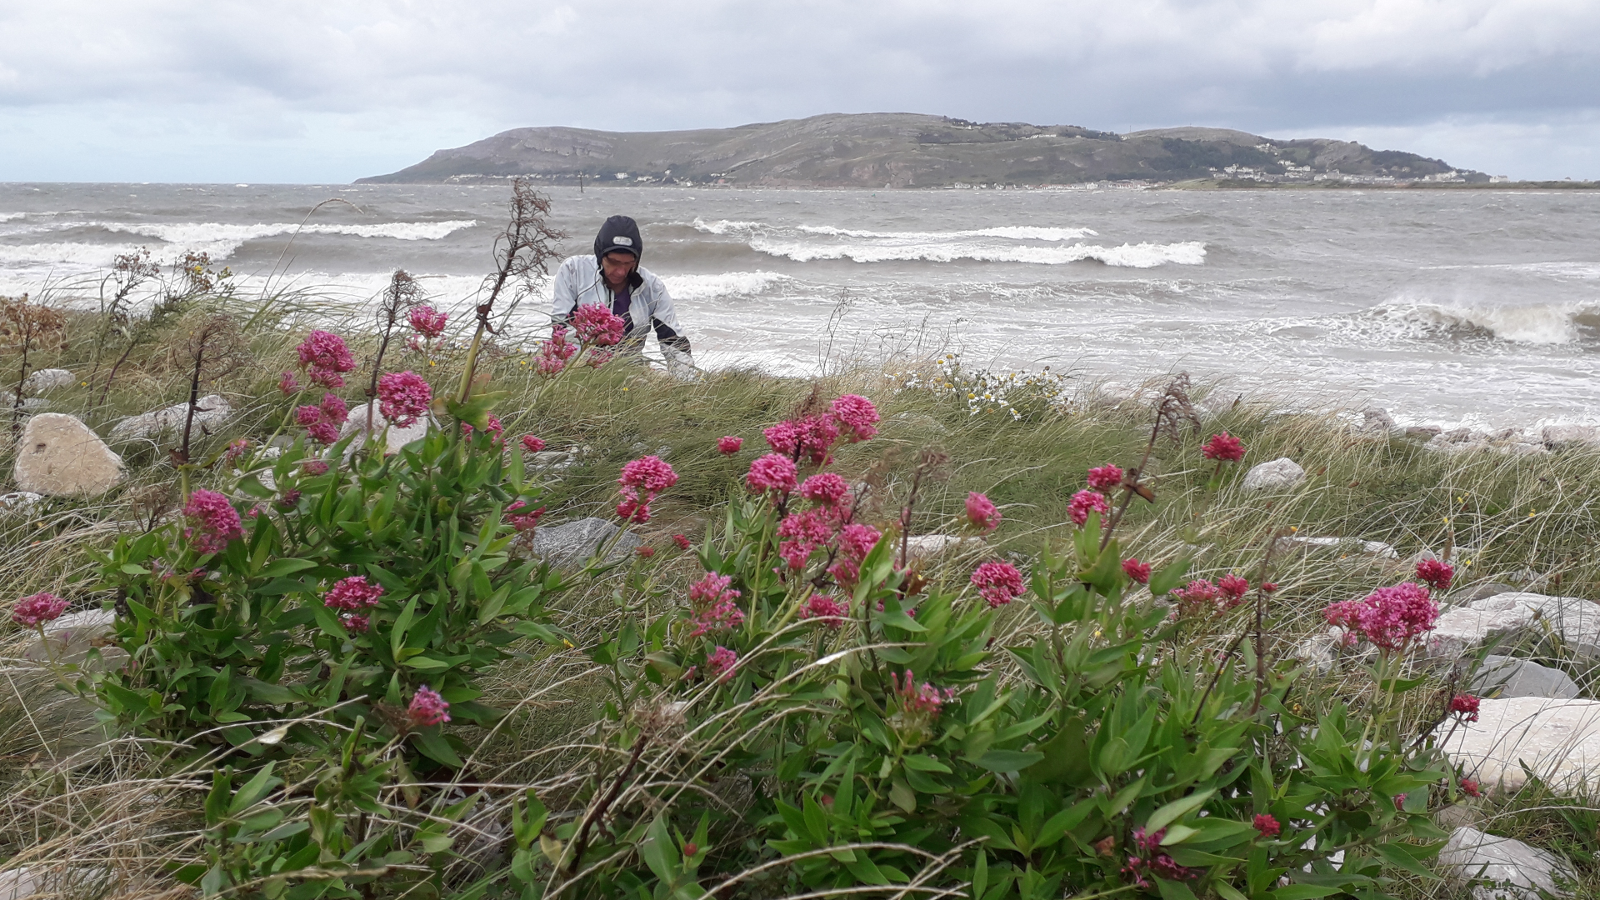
[1465, 706]
[1085, 502]
[807, 438]
[288, 384]
[1267, 826]
[322, 422]
[1136, 570]
[712, 606]
[1200, 597]
[493, 427]
[1389, 617]
[856, 416]
[354, 623]
[352, 594]
[919, 704]
[1232, 588]
[826, 488]
[721, 663]
[1223, 447]
[1400, 802]
[822, 607]
[802, 533]
[34, 611]
[729, 445]
[523, 522]
[531, 443]
[1470, 788]
[998, 583]
[554, 353]
[427, 708]
[649, 476]
[772, 472]
[981, 512]
[1435, 574]
[235, 452]
[213, 522]
[855, 542]
[313, 467]
[428, 322]
[1152, 860]
[1269, 587]
[1105, 477]
[289, 498]
[325, 358]
[645, 552]
[598, 358]
[403, 398]
[597, 326]
[682, 541]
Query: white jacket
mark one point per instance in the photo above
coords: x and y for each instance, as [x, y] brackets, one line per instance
[578, 282]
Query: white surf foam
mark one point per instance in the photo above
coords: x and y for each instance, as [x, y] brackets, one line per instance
[1011, 232]
[1538, 323]
[705, 287]
[221, 240]
[1139, 256]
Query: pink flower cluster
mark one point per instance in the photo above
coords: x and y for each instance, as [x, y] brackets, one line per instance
[427, 708]
[998, 583]
[1223, 447]
[313, 467]
[1152, 860]
[1085, 502]
[803, 532]
[356, 623]
[682, 541]
[352, 594]
[981, 512]
[1435, 574]
[597, 326]
[1390, 617]
[922, 702]
[855, 542]
[856, 415]
[1267, 826]
[1203, 597]
[826, 488]
[772, 472]
[532, 444]
[712, 605]
[31, 612]
[729, 445]
[721, 662]
[1465, 706]
[403, 398]
[829, 611]
[523, 522]
[235, 452]
[288, 384]
[554, 353]
[1136, 570]
[1105, 477]
[493, 427]
[811, 437]
[642, 480]
[325, 358]
[428, 322]
[213, 522]
[322, 422]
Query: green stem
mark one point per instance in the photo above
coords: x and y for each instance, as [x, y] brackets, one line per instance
[472, 365]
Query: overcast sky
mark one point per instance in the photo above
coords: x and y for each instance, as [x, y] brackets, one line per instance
[330, 90]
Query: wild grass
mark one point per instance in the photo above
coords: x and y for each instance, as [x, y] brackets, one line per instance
[111, 811]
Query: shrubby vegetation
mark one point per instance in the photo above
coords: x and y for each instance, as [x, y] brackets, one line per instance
[341, 672]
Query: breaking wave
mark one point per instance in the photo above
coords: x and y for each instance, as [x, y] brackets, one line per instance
[1138, 256]
[1013, 232]
[705, 287]
[1540, 323]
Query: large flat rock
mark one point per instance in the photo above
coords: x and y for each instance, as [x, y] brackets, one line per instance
[59, 456]
[1557, 740]
[572, 543]
[211, 412]
[1500, 868]
[1506, 678]
[1507, 617]
[394, 438]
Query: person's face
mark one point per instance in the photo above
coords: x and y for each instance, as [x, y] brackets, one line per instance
[617, 267]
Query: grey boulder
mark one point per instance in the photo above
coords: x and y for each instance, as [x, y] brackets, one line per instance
[1280, 474]
[59, 456]
[211, 412]
[1505, 677]
[572, 543]
[1501, 868]
[46, 380]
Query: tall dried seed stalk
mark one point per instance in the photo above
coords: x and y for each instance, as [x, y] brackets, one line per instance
[28, 326]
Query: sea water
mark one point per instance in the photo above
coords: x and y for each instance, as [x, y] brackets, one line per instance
[1445, 307]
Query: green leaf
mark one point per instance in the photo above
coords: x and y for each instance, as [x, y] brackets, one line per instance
[1008, 760]
[1306, 892]
[1169, 577]
[1174, 890]
[435, 747]
[1170, 813]
[924, 763]
[1228, 891]
[285, 566]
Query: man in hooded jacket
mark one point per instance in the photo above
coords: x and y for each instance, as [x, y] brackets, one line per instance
[613, 278]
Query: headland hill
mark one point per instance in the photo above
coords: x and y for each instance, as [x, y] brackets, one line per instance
[908, 150]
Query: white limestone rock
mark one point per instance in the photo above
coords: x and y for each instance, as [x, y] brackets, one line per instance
[1310, 544]
[1557, 740]
[1561, 437]
[59, 456]
[1376, 421]
[46, 380]
[928, 546]
[1278, 475]
[1501, 868]
[572, 543]
[19, 501]
[1319, 651]
[211, 412]
[1508, 616]
[1505, 677]
[396, 437]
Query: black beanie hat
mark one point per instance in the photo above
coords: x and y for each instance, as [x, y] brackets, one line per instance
[618, 233]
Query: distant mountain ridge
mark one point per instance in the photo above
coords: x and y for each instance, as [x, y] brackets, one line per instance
[904, 150]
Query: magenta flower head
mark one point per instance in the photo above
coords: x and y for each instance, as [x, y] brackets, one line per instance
[598, 326]
[831, 612]
[1267, 826]
[981, 512]
[403, 397]
[427, 708]
[314, 467]
[722, 662]
[532, 444]
[1136, 570]
[1470, 787]
[807, 438]
[772, 472]
[1391, 617]
[1223, 447]
[998, 583]
[288, 384]
[642, 480]
[322, 422]
[856, 416]
[34, 611]
[325, 358]
[428, 322]
[826, 488]
[213, 522]
[1105, 477]
[1232, 588]
[729, 445]
[1465, 706]
[1085, 502]
[352, 594]
[1435, 574]
[682, 541]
